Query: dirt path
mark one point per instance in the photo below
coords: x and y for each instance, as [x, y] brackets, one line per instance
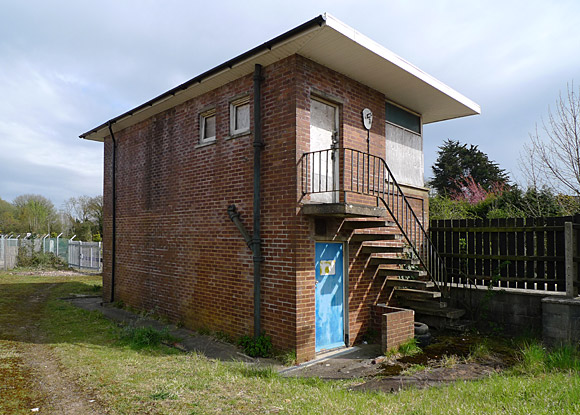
[31, 378]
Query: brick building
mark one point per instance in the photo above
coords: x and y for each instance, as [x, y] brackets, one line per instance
[253, 198]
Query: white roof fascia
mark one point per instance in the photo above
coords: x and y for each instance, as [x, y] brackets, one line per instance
[390, 56]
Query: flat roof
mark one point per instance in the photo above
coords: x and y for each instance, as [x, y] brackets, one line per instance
[331, 43]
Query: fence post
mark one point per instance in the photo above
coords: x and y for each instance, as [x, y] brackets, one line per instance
[571, 266]
[80, 253]
[3, 242]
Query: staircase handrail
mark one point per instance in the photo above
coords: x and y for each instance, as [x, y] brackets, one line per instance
[370, 175]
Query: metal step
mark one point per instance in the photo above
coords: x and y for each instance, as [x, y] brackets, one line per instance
[365, 224]
[362, 237]
[418, 284]
[369, 248]
[413, 293]
[384, 271]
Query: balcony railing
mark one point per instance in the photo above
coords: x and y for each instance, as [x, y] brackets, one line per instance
[329, 176]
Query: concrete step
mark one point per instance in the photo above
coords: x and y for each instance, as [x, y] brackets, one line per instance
[417, 284]
[442, 321]
[412, 293]
[408, 303]
[362, 237]
[460, 325]
[378, 260]
[351, 224]
[385, 271]
[370, 248]
[430, 308]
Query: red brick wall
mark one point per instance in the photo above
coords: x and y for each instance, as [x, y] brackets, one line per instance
[396, 325]
[178, 253]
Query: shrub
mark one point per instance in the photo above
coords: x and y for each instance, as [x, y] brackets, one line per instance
[27, 258]
[256, 347]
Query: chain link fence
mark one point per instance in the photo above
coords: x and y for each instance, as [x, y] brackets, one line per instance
[77, 254]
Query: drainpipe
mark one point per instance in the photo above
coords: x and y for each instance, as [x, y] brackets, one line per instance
[114, 218]
[256, 240]
[235, 217]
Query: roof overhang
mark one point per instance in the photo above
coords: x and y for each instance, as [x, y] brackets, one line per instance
[330, 43]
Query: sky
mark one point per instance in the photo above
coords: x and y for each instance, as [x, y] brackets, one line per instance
[68, 66]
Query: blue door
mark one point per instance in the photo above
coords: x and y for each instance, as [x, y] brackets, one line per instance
[329, 296]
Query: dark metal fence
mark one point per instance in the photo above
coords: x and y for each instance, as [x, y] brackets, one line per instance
[330, 175]
[530, 253]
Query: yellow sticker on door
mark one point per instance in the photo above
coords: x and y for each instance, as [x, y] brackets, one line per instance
[328, 267]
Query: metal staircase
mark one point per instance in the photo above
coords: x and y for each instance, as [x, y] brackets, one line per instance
[407, 258]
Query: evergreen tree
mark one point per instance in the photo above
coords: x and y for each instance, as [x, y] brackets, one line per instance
[456, 162]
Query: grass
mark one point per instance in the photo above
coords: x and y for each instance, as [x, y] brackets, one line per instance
[409, 348]
[536, 359]
[162, 380]
[411, 370]
[145, 337]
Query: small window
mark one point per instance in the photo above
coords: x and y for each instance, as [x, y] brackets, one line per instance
[240, 116]
[207, 126]
[402, 118]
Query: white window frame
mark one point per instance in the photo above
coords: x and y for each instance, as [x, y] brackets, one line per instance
[203, 116]
[233, 107]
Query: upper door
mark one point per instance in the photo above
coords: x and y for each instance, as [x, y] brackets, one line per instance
[324, 165]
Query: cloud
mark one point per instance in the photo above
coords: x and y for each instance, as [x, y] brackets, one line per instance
[69, 66]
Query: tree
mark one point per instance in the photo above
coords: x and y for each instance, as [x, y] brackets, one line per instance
[8, 222]
[36, 213]
[95, 213]
[552, 158]
[83, 216]
[457, 165]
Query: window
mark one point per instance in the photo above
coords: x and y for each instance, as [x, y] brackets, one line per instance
[404, 145]
[207, 127]
[240, 116]
[398, 116]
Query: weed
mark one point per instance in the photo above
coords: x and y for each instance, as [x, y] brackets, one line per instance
[224, 337]
[287, 358]
[409, 348]
[565, 357]
[448, 361]
[260, 346]
[533, 357]
[411, 370]
[479, 351]
[250, 371]
[119, 304]
[204, 331]
[145, 337]
[162, 395]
